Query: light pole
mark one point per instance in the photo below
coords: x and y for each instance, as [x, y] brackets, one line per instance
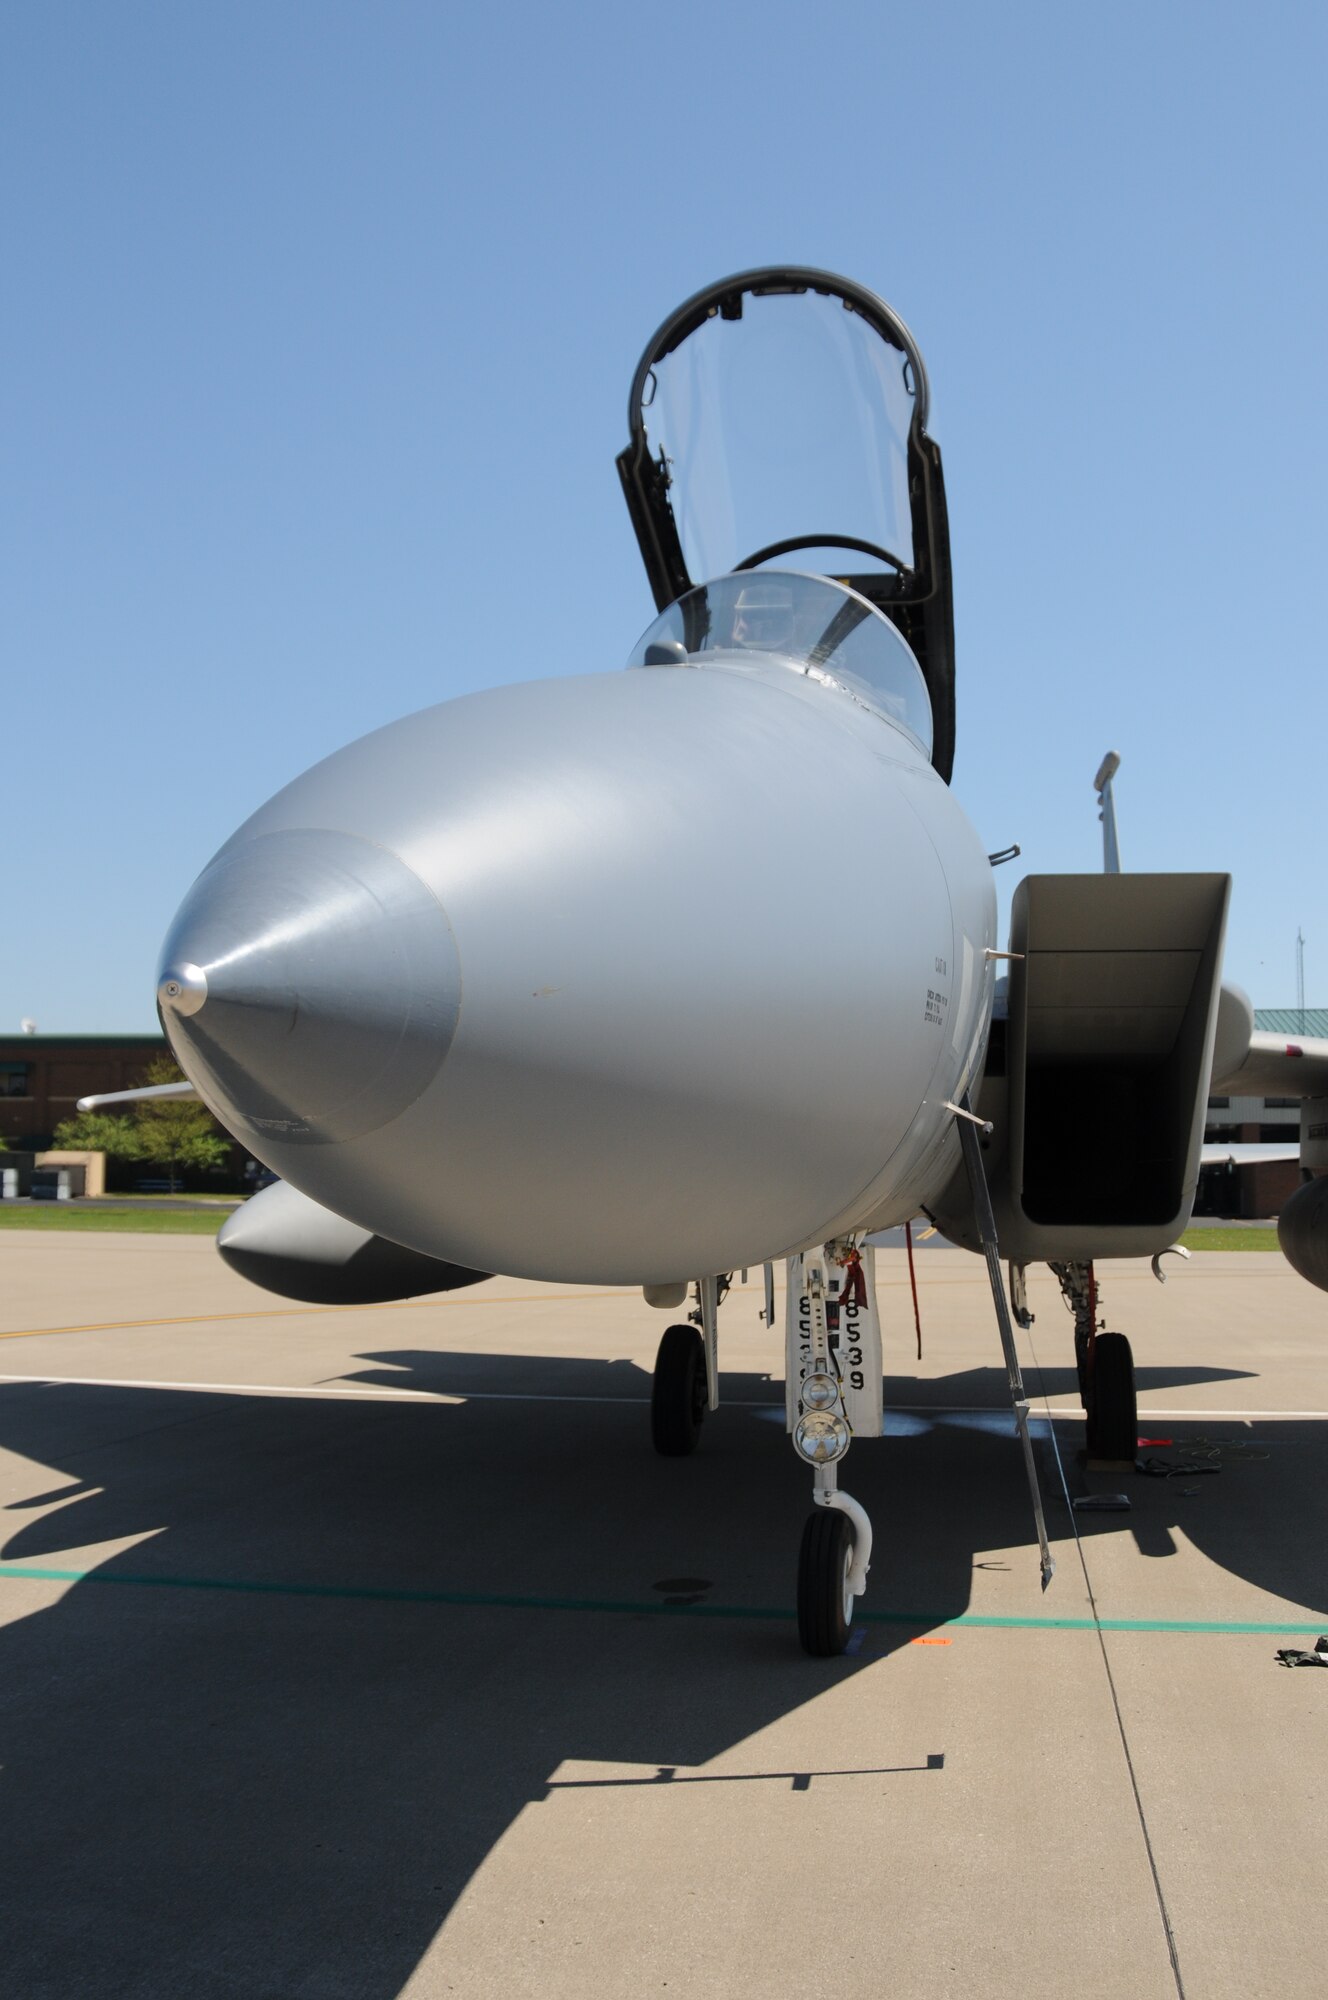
[1107, 770]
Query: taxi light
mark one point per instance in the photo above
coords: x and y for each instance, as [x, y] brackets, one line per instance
[820, 1392]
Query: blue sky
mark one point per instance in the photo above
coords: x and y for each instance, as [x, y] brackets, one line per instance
[319, 326]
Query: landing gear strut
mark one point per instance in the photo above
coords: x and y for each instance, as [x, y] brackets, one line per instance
[1105, 1367]
[833, 1379]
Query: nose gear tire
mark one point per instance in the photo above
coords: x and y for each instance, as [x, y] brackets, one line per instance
[825, 1607]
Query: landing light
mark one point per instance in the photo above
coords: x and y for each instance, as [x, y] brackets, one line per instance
[821, 1439]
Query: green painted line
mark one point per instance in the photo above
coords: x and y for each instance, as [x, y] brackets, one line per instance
[384, 1594]
[1240, 1628]
[511, 1601]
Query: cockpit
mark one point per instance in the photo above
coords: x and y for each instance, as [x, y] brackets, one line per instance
[780, 416]
[810, 625]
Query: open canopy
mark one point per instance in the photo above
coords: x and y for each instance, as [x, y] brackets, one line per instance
[779, 416]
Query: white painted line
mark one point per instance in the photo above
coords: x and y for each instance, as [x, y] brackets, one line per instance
[362, 1395]
[365, 1393]
[1147, 1412]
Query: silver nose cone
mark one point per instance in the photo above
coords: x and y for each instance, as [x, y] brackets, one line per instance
[310, 986]
[182, 988]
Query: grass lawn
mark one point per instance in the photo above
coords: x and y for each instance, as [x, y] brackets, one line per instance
[1231, 1239]
[160, 1194]
[165, 1222]
[135, 1221]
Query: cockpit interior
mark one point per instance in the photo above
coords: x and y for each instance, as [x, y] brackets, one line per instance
[816, 626]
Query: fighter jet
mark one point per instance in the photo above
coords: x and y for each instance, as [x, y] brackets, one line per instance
[654, 976]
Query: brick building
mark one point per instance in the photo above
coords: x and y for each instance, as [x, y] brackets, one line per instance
[42, 1078]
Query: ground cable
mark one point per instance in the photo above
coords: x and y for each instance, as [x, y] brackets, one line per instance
[1163, 1911]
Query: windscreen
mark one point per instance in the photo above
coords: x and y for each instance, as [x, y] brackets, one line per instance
[809, 624]
[791, 420]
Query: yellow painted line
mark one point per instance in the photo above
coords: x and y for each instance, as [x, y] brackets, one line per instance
[394, 1305]
[430, 1304]
[306, 1312]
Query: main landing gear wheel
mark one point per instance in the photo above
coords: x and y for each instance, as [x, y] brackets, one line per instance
[825, 1603]
[678, 1392]
[1111, 1405]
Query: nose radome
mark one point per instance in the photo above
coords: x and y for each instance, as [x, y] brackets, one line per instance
[183, 987]
[310, 985]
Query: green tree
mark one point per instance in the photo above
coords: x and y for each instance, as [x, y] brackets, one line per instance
[173, 1133]
[99, 1132]
[177, 1132]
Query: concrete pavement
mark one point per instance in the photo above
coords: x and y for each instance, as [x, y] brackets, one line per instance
[373, 1652]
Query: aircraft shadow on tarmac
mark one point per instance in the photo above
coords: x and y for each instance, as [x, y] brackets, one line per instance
[228, 1785]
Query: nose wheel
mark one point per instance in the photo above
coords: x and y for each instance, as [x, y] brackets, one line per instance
[825, 1600]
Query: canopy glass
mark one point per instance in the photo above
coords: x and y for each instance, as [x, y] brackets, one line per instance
[788, 422]
[807, 624]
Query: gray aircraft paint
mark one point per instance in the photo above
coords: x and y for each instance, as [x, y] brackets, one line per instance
[720, 939]
[286, 1243]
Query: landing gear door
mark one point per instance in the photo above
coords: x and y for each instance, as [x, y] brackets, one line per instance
[854, 1333]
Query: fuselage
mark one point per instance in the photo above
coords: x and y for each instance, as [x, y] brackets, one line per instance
[614, 979]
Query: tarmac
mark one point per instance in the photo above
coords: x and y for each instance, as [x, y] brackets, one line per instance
[369, 1652]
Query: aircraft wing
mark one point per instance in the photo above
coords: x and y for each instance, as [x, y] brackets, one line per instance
[1245, 1154]
[1274, 1066]
[145, 1095]
[1248, 1062]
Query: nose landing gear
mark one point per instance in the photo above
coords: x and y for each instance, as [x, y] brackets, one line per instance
[833, 1393]
[833, 1381]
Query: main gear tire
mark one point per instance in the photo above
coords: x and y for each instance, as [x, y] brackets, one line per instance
[1112, 1405]
[678, 1392]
